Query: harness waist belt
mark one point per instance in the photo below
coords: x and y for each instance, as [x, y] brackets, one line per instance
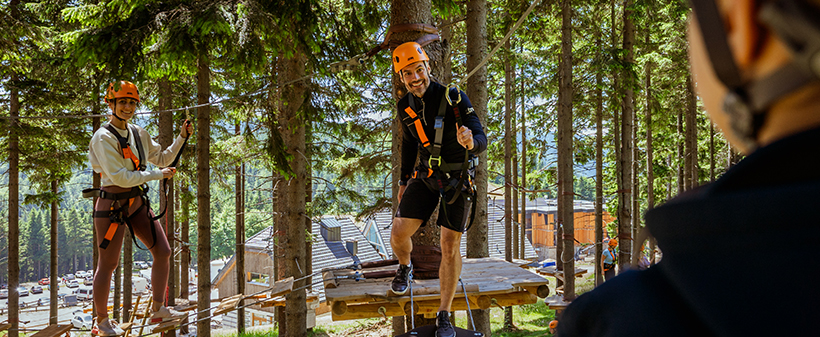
[98, 193]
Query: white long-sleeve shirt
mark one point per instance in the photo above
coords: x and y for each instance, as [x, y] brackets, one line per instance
[106, 157]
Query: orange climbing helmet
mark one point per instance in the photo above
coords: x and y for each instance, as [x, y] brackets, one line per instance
[126, 90]
[406, 54]
[613, 242]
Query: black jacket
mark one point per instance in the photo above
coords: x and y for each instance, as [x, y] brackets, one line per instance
[739, 257]
[427, 109]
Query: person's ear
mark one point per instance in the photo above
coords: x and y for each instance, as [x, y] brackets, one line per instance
[745, 35]
[112, 104]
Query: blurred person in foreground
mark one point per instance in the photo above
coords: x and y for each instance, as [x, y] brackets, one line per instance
[736, 251]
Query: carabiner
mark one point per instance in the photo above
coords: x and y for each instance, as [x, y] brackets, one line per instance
[458, 91]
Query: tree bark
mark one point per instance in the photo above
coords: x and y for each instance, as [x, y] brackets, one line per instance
[127, 271]
[54, 214]
[510, 242]
[185, 259]
[650, 172]
[565, 153]
[477, 238]
[625, 214]
[203, 194]
[691, 142]
[14, 197]
[166, 138]
[239, 198]
[292, 210]
[599, 157]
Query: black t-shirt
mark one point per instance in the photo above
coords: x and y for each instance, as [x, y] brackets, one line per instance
[427, 108]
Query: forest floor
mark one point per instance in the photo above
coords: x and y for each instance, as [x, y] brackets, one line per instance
[529, 320]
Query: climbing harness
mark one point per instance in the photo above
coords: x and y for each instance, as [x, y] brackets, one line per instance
[119, 215]
[443, 172]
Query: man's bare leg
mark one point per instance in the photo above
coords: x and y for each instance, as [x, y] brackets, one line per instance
[450, 269]
[403, 229]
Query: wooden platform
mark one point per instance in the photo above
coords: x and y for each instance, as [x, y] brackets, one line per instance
[550, 271]
[54, 330]
[489, 282]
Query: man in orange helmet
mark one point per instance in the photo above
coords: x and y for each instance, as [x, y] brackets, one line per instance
[757, 68]
[119, 152]
[608, 259]
[445, 138]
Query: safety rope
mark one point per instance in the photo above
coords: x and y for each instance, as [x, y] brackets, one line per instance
[334, 67]
[497, 46]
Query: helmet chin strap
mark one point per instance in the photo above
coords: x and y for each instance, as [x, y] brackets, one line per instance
[747, 103]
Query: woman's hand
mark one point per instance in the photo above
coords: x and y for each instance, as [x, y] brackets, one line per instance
[186, 129]
[168, 172]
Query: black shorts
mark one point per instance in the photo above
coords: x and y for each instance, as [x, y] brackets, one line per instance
[419, 201]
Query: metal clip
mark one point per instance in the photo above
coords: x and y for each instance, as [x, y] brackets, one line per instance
[447, 93]
[431, 160]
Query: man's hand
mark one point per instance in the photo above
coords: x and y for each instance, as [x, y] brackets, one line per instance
[465, 137]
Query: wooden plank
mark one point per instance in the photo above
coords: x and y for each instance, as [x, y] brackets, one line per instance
[5, 326]
[167, 325]
[54, 330]
[282, 287]
[228, 304]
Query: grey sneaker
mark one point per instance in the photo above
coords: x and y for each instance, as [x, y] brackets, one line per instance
[105, 328]
[116, 327]
[402, 280]
[166, 314]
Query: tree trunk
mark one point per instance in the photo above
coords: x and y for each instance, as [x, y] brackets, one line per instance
[203, 194]
[127, 272]
[54, 214]
[650, 173]
[185, 259]
[239, 198]
[599, 157]
[14, 197]
[166, 138]
[691, 156]
[711, 152]
[292, 204]
[625, 214]
[477, 241]
[418, 11]
[565, 153]
[510, 242]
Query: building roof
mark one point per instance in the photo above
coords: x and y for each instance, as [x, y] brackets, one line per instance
[383, 221]
[326, 254]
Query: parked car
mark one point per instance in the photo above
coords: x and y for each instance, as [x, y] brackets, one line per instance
[73, 284]
[89, 280]
[80, 274]
[68, 277]
[36, 289]
[70, 300]
[22, 291]
[82, 321]
[4, 293]
[44, 281]
[84, 294]
[140, 265]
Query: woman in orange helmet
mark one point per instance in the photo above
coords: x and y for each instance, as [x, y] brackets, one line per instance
[119, 152]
